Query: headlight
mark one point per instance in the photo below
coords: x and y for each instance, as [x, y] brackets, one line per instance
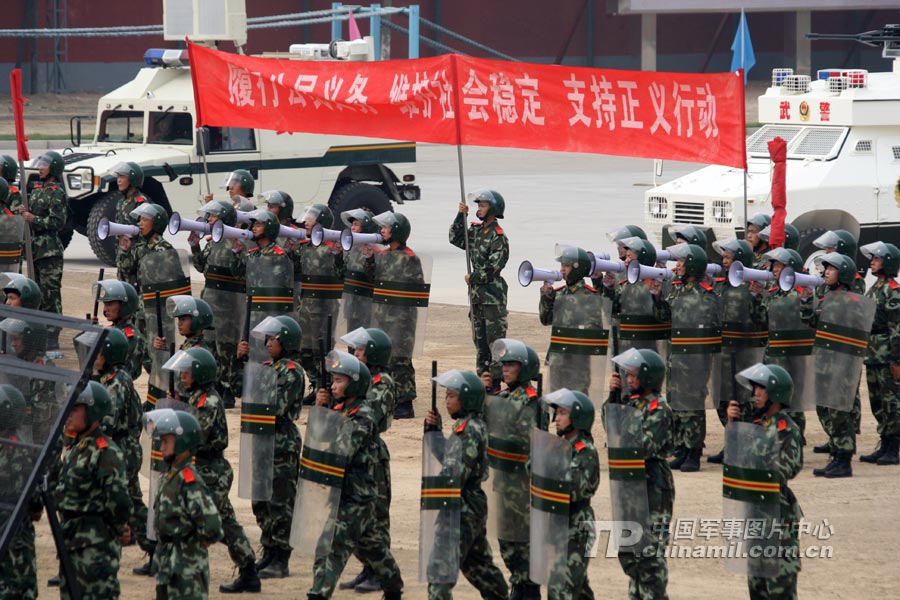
[80, 180]
[74, 181]
[722, 211]
[658, 207]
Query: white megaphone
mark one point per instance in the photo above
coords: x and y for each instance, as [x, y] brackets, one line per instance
[637, 272]
[176, 224]
[243, 216]
[320, 234]
[222, 231]
[106, 228]
[600, 255]
[788, 280]
[290, 232]
[738, 274]
[664, 256]
[350, 239]
[713, 269]
[527, 274]
[607, 266]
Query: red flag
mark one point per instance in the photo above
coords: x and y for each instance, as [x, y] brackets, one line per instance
[18, 106]
[778, 152]
[354, 29]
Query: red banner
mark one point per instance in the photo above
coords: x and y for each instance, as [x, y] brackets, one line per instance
[18, 107]
[454, 99]
[778, 154]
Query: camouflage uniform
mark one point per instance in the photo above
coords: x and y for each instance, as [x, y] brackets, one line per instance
[382, 398]
[356, 530]
[18, 566]
[130, 200]
[489, 252]
[357, 298]
[49, 206]
[883, 351]
[138, 355]
[11, 231]
[92, 497]
[42, 402]
[186, 522]
[274, 516]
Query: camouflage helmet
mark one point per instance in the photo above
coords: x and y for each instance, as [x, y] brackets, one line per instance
[28, 291]
[366, 221]
[271, 226]
[320, 214]
[469, 387]
[12, 408]
[96, 401]
[841, 240]
[54, 161]
[4, 190]
[740, 250]
[283, 328]
[132, 171]
[888, 253]
[760, 220]
[241, 177]
[506, 350]
[496, 204]
[224, 211]
[627, 231]
[375, 343]
[9, 168]
[33, 334]
[399, 224]
[199, 362]
[845, 266]
[690, 234]
[344, 363]
[695, 260]
[183, 425]
[650, 366]
[580, 407]
[791, 236]
[774, 379]
[115, 347]
[644, 250]
[156, 213]
[789, 258]
[188, 306]
[579, 260]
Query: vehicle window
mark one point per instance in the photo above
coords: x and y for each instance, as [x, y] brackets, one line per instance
[122, 126]
[803, 141]
[231, 139]
[171, 128]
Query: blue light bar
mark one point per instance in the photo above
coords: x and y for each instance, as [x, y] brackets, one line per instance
[162, 57]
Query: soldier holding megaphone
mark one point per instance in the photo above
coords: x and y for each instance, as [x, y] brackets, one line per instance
[129, 179]
[638, 302]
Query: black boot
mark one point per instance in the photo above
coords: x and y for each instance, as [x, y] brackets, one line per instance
[691, 462]
[517, 592]
[228, 400]
[680, 455]
[145, 569]
[821, 472]
[532, 591]
[247, 581]
[404, 411]
[876, 454]
[369, 584]
[397, 595]
[278, 568]
[840, 467]
[822, 449]
[263, 562]
[349, 585]
[716, 459]
[891, 455]
[53, 581]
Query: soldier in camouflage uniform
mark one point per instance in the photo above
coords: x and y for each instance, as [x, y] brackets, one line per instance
[9, 170]
[356, 306]
[270, 259]
[185, 516]
[488, 250]
[356, 530]
[120, 303]
[129, 179]
[28, 341]
[465, 405]
[192, 316]
[606, 282]
[11, 227]
[196, 369]
[772, 390]
[883, 355]
[238, 184]
[23, 292]
[760, 246]
[648, 573]
[791, 236]
[92, 497]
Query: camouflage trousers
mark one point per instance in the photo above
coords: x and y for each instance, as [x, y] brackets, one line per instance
[569, 580]
[193, 585]
[18, 567]
[784, 585]
[516, 558]
[799, 418]
[404, 375]
[230, 370]
[689, 428]
[383, 501]
[488, 324]
[356, 532]
[138, 520]
[96, 569]
[841, 426]
[476, 562]
[218, 476]
[48, 275]
[884, 398]
[571, 371]
[274, 516]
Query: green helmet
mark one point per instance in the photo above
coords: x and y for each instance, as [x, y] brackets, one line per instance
[399, 224]
[241, 177]
[223, 210]
[188, 306]
[506, 350]
[695, 260]
[198, 361]
[650, 366]
[646, 253]
[284, 328]
[183, 425]
[469, 387]
[690, 234]
[740, 249]
[54, 161]
[96, 400]
[320, 214]
[12, 408]
[845, 266]
[580, 407]
[760, 220]
[242, 204]
[627, 231]
[344, 363]
[376, 343]
[791, 236]
[9, 168]
[155, 213]
[272, 198]
[113, 290]
[367, 223]
[28, 291]
[888, 253]
[33, 334]
[4, 190]
[840, 239]
[774, 379]
[115, 347]
[494, 199]
[132, 170]
[272, 228]
[789, 258]
[578, 258]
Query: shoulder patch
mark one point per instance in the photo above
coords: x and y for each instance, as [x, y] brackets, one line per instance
[208, 238]
[408, 251]
[706, 286]
[622, 281]
[376, 379]
[353, 412]
[531, 392]
[290, 365]
[677, 282]
[102, 443]
[579, 446]
[339, 406]
[498, 229]
[13, 189]
[461, 427]
[202, 401]
[774, 288]
[267, 362]
[590, 287]
[254, 249]
[654, 404]
[39, 361]
[720, 280]
[782, 424]
[277, 250]
[128, 331]
[188, 475]
[894, 285]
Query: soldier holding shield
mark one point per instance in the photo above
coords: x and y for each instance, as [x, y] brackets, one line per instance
[12, 227]
[356, 306]
[120, 303]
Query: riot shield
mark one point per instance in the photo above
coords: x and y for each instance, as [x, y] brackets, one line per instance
[627, 478]
[12, 232]
[842, 338]
[638, 326]
[84, 343]
[693, 351]
[319, 297]
[751, 494]
[356, 301]
[551, 488]
[742, 338]
[225, 295]
[400, 299]
[270, 280]
[578, 346]
[508, 483]
[258, 406]
[325, 454]
[440, 508]
[791, 347]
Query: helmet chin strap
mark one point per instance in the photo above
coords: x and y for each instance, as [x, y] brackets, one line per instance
[564, 432]
[456, 415]
[761, 412]
[169, 459]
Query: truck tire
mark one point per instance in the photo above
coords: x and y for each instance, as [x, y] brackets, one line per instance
[104, 206]
[358, 195]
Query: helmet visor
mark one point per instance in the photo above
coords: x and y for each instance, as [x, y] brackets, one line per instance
[619, 234]
[42, 162]
[765, 233]
[630, 359]
[385, 219]
[144, 210]
[757, 374]
[162, 421]
[111, 290]
[452, 380]
[268, 326]
[121, 168]
[357, 214]
[730, 245]
[311, 214]
[509, 350]
[179, 306]
[679, 250]
[13, 326]
[561, 398]
[779, 254]
[343, 363]
[181, 362]
[633, 243]
[229, 180]
[875, 250]
[271, 197]
[829, 239]
[213, 207]
[7, 278]
[481, 196]
[358, 338]
[566, 254]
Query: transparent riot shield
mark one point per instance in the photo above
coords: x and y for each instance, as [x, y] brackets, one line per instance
[320, 295]
[842, 338]
[258, 406]
[325, 454]
[551, 488]
[743, 338]
[439, 526]
[225, 295]
[627, 478]
[84, 343]
[400, 299]
[638, 326]
[356, 301]
[509, 431]
[693, 350]
[751, 493]
[578, 346]
[12, 232]
[791, 347]
[270, 280]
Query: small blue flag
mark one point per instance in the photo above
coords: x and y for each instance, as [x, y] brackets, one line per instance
[742, 48]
